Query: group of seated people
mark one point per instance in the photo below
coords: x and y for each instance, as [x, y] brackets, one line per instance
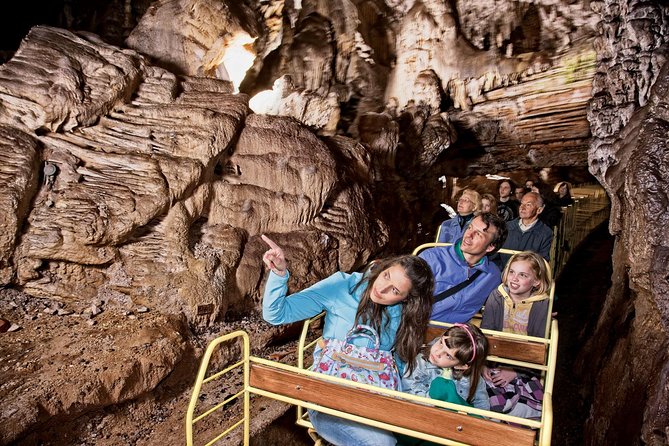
[530, 215]
[398, 296]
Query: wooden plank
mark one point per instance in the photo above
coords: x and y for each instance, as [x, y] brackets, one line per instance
[533, 352]
[432, 420]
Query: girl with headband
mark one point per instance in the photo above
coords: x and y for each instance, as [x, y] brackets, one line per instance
[451, 369]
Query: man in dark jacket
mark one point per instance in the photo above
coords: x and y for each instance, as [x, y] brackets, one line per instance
[527, 232]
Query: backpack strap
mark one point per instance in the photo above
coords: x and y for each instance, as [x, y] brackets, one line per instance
[454, 289]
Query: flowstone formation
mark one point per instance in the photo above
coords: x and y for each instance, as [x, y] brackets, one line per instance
[130, 184]
[139, 178]
[628, 155]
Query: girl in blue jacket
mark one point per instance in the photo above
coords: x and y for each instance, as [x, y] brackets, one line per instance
[394, 296]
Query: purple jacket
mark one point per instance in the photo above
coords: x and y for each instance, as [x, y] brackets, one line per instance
[450, 269]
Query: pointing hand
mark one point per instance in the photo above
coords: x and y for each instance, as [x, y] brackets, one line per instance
[274, 257]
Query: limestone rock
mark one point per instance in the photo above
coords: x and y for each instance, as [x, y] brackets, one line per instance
[197, 37]
[628, 154]
[19, 174]
[66, 89]
[81, 370]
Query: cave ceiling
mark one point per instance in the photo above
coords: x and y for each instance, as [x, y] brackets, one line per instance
[145, 146]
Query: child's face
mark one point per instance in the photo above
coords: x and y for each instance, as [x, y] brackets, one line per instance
[485, 205]
[442, 356]
[521, 279]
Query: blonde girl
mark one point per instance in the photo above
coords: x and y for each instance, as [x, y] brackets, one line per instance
[519, 305]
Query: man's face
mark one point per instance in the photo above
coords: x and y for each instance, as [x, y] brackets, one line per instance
[504, 190]
[520, 191]
[476, 240]
[529, 207]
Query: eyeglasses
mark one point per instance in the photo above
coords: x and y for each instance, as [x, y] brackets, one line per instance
[465, 200]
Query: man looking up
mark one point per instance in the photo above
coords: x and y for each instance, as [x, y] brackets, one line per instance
[527, 232]
[463, 275]
[507, 206]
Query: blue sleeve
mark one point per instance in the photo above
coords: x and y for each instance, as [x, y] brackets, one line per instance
[277, 308]
[545, 248]
[481, 399]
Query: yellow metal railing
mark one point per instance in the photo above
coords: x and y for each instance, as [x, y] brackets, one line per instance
[547, 371]
[543, 426]
[191, 419]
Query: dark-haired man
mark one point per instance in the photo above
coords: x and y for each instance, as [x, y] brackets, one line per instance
[463, 273]
[507, 206]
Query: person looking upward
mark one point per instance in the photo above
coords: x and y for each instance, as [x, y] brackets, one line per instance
[469, 204]
[527, 232]
[463, 275]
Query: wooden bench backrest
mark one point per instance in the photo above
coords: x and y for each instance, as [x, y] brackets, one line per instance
[431, 420]
[533, 352]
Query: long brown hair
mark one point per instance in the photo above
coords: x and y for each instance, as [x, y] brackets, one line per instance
[474, 355]
[416, 307]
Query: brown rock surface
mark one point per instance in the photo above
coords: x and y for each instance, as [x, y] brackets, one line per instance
[628, 155]
[123, 184]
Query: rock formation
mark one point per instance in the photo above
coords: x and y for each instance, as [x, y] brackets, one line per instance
[628, 155]
[141, 177]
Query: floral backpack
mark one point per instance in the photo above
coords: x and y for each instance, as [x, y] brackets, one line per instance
[367, 365]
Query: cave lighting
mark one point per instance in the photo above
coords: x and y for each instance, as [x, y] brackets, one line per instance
[265, 103]
[268, 102]
[238, 58]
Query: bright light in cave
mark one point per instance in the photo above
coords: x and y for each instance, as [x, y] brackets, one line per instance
[238, 58]
[265, 103]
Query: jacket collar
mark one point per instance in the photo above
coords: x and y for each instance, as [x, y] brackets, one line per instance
[461, 256]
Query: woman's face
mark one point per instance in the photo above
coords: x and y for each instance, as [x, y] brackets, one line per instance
[485, 205]
[562, 190]
[391, 287]
[465, 205]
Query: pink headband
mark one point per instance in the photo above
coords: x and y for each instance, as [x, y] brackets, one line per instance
[471, 337]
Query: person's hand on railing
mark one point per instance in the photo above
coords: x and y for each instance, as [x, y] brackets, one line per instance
[274, 257]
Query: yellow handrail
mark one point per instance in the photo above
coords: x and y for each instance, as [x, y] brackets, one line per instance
[200, 380]
[544, 425]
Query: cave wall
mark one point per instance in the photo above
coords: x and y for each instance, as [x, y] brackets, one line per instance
[627, 357]
[391, 96]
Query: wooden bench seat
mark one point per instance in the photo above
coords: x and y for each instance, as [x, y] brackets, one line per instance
[394, 412]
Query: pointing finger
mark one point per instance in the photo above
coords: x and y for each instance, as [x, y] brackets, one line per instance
[269, 241]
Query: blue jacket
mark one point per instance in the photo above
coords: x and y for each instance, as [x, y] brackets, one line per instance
[418, 383]
[451, 230]
[450, 269]
[336, 297]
